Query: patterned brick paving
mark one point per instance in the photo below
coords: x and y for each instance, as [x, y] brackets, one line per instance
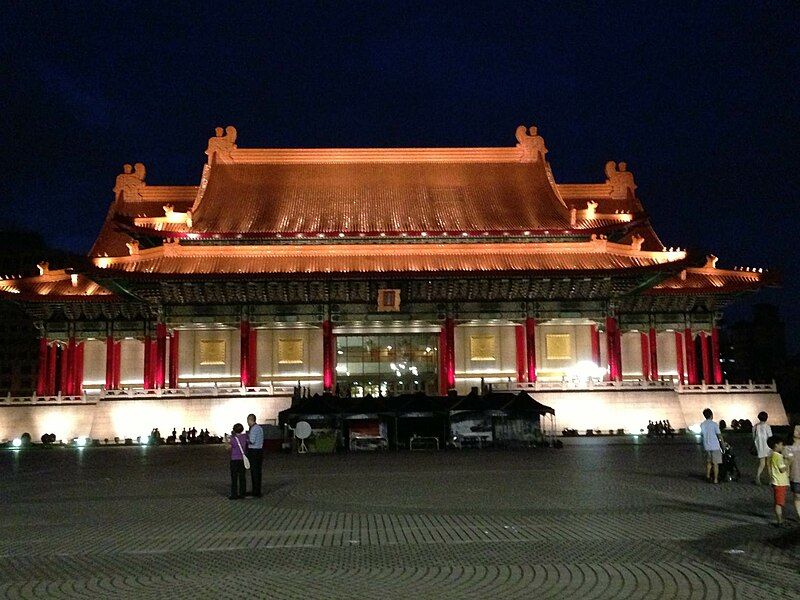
[589, 521]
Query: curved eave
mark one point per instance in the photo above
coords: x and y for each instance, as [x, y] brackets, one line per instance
[127, 225]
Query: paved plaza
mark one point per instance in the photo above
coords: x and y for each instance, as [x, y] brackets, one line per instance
[597, 519]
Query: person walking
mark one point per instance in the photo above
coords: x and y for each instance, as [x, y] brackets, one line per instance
[761, 433]
[779, 476]
[238, 450]
[255, 452]
[710, 436]
[792, 454]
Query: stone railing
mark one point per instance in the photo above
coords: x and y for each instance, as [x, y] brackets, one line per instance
[633, 385]
[91, 397]
[268, 389]
[10, 400]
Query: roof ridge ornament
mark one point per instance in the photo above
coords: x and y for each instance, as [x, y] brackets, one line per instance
[711, 262]
[636, 242]
[620, 180]
[222, 145]
[530, 143]
[130, 182]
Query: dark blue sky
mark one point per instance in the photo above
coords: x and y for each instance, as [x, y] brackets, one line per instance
[700, 99]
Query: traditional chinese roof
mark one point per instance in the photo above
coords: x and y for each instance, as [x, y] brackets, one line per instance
[60, 283]
[470, 257]
[483, 211]
[710, 280]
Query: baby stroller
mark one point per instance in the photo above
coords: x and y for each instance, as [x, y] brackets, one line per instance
[728, 470]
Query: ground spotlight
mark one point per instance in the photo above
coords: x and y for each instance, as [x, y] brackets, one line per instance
[17, 443]
[80, 442]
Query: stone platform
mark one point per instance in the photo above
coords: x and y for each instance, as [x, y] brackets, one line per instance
[603, 518]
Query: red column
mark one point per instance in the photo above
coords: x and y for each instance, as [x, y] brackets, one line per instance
[77, 386]
[519, 331]
[450, 330]
[653, 354]
[704, 342]
[691, 362]
[41, 373]
[613, 345]
[244, 349]
[715, 356]
[110, 362]
[530, 346]
[146, 376]
[52, 357]
[66, 369]
[253, 355]
[173, 359]
[161, 355]
[117, 364]
[595, 345]
[327, 356]
[443, 361]
[679, 356]
[645, 357]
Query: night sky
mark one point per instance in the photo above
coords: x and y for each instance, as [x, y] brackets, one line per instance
[701, 101]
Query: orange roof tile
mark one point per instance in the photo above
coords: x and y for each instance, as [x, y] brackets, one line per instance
[713, 280]
[396, 196]
[53, 284]
[174, 259]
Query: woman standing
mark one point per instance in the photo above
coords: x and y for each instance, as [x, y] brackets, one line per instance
[238, 447]
[761, 433]
[792, 454]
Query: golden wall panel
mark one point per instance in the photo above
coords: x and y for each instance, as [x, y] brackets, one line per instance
[212, 352]
[290, 351]
[482, 347]
[558, 346]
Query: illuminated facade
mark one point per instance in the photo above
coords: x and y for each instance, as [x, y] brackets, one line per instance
[382, 271]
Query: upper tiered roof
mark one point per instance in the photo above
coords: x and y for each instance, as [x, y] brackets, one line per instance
[261, 212]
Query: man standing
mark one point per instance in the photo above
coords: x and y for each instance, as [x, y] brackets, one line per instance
[255, 453]
[710, 434]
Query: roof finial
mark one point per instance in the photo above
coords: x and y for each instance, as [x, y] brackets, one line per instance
[221, 145]
[133, 247]
[621, 181]
[711, 262]
[531, 144]
[130, 182]
[44, 267]
[636, 242]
